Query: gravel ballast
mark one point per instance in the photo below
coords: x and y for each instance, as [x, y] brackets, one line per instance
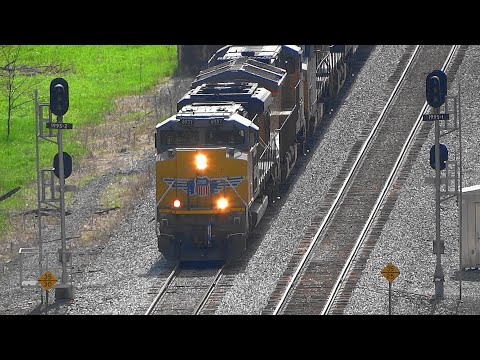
[407, 238]
[110, 277]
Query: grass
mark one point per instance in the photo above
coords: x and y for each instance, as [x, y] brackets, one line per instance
[96, 75]
[115, 194]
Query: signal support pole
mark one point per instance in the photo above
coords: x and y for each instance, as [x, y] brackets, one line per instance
[59, 106]
[65, 288]
[62, 202]
[438, 276]
[436, 90]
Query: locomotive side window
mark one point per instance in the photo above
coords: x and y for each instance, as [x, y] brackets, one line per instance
[290, 65]
[253, 138]
[167, 137]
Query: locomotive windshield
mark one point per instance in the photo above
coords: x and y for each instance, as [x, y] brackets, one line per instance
[202, 137]
[188, 137]
[225, 137]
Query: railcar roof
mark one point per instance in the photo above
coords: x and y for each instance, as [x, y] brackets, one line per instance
[258, 51]
[255, 99]
[243, 69]
[227, 112]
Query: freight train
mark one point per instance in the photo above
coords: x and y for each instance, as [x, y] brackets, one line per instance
[236, 137]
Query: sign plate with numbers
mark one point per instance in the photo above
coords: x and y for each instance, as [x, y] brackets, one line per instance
[59, 125]
[433, 117]
[390, 272]
[47, 280]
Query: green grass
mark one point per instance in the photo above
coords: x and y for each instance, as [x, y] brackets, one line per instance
[116, 192]
[96, 74]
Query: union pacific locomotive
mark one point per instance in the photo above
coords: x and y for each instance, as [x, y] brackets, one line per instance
[236, 137]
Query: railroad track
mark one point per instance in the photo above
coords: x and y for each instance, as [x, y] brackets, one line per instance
[192, 289]
[229, 272]
[185, 291]
[330, 258]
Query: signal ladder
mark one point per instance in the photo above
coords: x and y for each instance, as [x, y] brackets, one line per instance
[34, 261]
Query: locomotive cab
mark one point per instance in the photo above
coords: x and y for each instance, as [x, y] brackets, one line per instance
[204, 182]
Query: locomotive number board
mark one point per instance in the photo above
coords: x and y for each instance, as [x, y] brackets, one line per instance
[189, 122]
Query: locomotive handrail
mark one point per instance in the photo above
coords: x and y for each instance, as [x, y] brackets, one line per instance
[233, 188]
[167, 191]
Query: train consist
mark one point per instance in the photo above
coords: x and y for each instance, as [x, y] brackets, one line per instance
[236, 137]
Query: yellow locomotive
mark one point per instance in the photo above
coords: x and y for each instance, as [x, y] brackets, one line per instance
[235, 138]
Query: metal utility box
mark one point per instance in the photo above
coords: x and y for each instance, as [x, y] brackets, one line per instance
[471, 227]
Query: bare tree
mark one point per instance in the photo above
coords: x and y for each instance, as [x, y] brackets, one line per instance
[18, 78]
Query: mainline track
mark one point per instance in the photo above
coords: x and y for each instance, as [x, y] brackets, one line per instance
[185, 291]
[193, 289]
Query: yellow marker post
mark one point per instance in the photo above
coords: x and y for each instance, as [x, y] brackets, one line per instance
[390, 272]
[47, 280]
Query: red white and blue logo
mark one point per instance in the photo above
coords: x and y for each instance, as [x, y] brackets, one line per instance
[203, 186]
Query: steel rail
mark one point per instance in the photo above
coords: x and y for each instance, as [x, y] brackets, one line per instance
[208, 292]
[164, 288]
[341, 192]
[385, 191]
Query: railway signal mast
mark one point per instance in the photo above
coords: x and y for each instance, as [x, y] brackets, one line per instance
[59, 104]
[50, 196]
[436, 91]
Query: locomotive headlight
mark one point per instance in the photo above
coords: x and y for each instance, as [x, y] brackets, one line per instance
[177, 203]
[222, 203]
[201, 161]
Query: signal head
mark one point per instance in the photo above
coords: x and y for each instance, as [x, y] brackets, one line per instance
[59, 96]
[436, 88]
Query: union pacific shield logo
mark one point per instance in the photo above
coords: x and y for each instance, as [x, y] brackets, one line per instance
[202, 186]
